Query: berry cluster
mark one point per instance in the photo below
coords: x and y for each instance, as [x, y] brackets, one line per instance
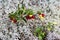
[19, 14]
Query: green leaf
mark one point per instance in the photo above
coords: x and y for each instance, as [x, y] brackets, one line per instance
[39, 12]
[23, 6]
[24, 19]
[34, 33]
[18, 7]
[18, 18]
[29, 11]
[49, 28]
[40, 37]
[37, 29]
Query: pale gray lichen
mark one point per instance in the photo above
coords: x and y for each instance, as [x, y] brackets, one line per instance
[9, 31]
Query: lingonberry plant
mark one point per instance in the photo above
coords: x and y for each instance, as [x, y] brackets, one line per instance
[28, 14]
[41, 15]
[42, 31]
[17, 15]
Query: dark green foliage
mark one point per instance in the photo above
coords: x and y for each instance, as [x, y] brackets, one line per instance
[18, 14]
[39, 33]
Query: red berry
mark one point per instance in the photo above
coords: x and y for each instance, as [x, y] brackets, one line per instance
[33, 17]
[11, 18]
[42, 15]
[14, 20]
[28, 17]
